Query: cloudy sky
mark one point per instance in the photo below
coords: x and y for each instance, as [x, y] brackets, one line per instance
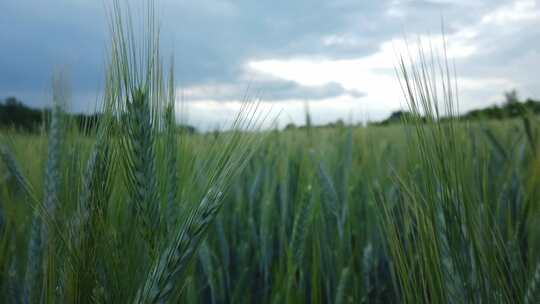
[336, 55]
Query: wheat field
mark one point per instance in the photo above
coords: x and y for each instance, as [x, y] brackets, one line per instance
[432, 210]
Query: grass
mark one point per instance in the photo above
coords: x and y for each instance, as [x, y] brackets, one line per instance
[424, 212]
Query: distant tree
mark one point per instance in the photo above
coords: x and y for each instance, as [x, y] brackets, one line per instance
[290, 126]
[399, 115]
[339, 123]
[532, 105]
[511, 97]
[395, 117]
[512, 106]
[183, 128]
[14, 114]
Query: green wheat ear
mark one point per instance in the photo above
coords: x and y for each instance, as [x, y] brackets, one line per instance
[33, 273]
[301, 224]
[168, 270]
[136, 76]
[147, 115]
[171, 152]
[41, 245]
[14, 170]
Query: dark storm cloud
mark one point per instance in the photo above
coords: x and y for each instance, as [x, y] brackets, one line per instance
[267, 88]
[283, 90]
[213, 40]
[38, 38]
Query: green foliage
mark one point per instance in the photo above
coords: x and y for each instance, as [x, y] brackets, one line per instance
[297, 225]
[104, 227]
[396, 117]
[459, 232]
[14, 113]
[512, 107]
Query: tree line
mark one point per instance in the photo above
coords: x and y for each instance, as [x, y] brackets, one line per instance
[14, 114]
[512, 107]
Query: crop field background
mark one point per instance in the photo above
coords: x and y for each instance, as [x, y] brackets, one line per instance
[339, 215]
[431, 210]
